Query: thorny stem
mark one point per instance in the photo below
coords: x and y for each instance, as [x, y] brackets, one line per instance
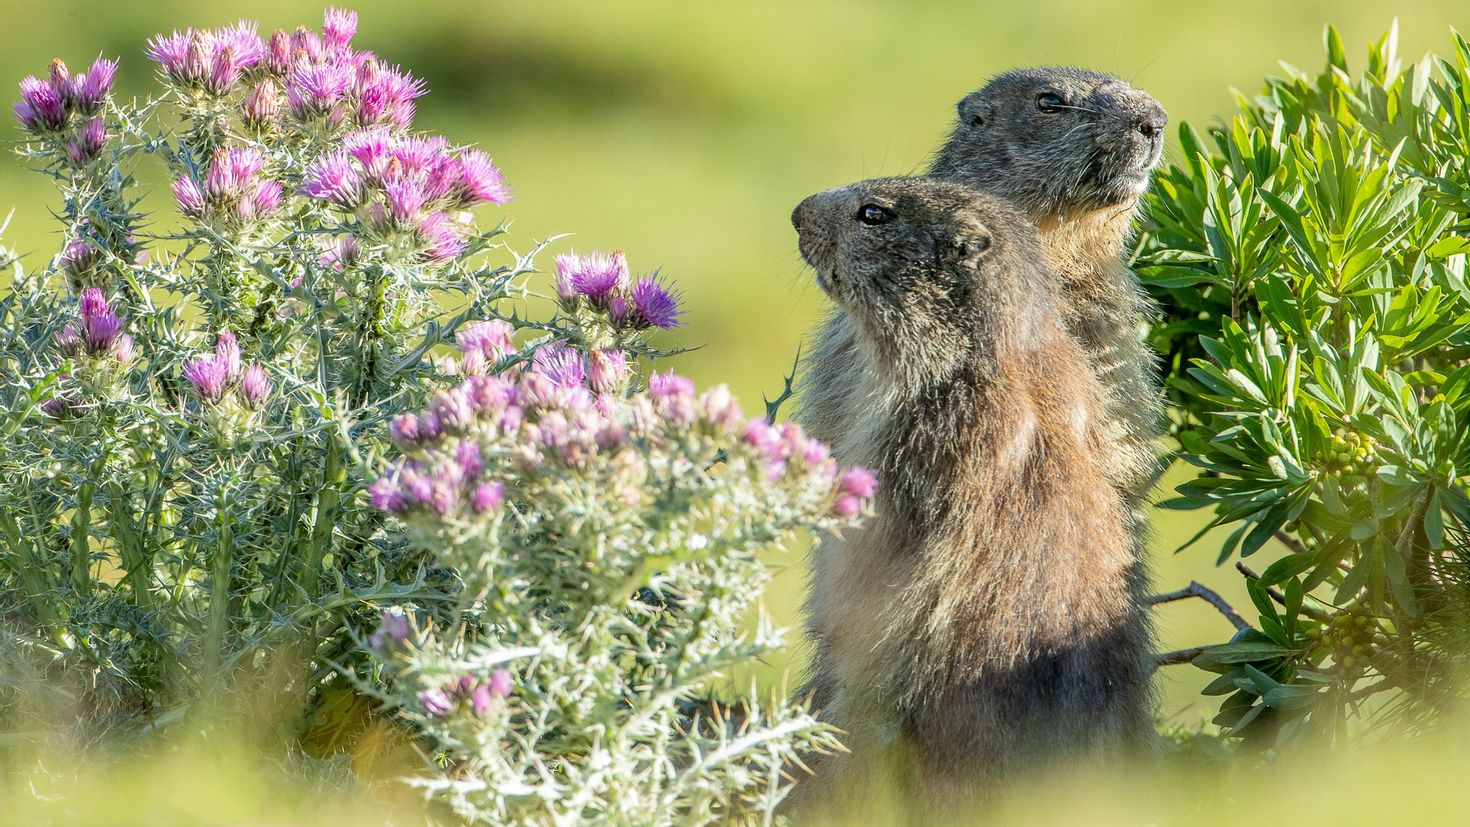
[219, 596]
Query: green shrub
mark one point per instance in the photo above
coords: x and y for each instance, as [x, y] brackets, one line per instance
[1310, 255]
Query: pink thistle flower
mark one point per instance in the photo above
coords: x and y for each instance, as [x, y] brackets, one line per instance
[339, 27]
[847, 507]
[342, 252]
[307, 46]
[392, 631]
[619, 308]
[224, 72]
[596, 275]
[666, 386]
[334, 178]
[60, 78]
[263, 198]
[442, 236]
[372, 148]
[430, 426]
[386, 96]
[420, 153]
[404, 430]
[563, 365]
[67, 340]
[511, 418]
[452, 407]
[673, 397]
[262, 104]
[44, 105]
[125, 350]
[77, 256]
[500, 683]
[481, 700]
[441, 179]
[89, 143]
[767, 440]
[721, 409]
[405, 200]
[26, 116]
[90, 90]
[171, 53]
[255, 385]
[93, 303]
[537, 390]
[227, 350]
[488, 497]
[858, 482]
[416, 488]
[467, 454]
[492, 337]
[208, 375]
[231, 171]
[101, 331]
[608, 371]
[61, 407]
[480, 180]
[654, 304]
[189, 196]
[489, 395]
[473, 363]
[279, 52]
[312, 89]
[243, 42]
[436, 702]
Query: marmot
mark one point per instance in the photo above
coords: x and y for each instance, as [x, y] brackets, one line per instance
[984, 617]
[1075, 150]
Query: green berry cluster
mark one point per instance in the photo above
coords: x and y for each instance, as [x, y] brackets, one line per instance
[1348, 638]
[1352, 455]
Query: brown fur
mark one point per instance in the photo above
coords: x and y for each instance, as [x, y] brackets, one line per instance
[985, 619]
[1078, 174]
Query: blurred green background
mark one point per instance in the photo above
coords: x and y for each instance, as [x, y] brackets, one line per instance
[684, 132]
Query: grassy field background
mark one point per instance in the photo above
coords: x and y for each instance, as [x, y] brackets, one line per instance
[683, 133]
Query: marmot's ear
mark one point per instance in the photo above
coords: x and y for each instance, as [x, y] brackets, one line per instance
[967, 244]
[974, 110]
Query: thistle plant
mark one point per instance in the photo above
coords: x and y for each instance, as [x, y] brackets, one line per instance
[1311, 259]
[287, 435]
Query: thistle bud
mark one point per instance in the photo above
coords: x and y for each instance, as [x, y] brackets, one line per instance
[255, 385]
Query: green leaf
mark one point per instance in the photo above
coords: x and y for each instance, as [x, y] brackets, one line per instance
[1264, 530]
[1287, 567]
[1246, 652]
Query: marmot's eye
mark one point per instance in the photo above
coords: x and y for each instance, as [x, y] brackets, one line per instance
[874, 214]
[1050, 103]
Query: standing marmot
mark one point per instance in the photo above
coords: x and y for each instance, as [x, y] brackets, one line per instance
[1075, 150]
[984, 617]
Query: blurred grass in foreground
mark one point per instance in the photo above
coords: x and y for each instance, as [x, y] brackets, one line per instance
[220, 780]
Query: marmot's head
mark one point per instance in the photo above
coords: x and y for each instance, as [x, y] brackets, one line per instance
[1056, 140]
[929, 269]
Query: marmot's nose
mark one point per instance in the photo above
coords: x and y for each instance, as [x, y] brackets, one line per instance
[800, 215]
[1151, 121]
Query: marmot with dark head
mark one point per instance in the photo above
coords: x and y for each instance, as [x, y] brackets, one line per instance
[984, 618]
[1075, 150]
